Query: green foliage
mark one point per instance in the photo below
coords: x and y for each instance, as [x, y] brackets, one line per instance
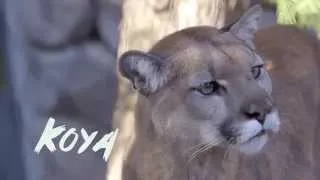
[304, 13]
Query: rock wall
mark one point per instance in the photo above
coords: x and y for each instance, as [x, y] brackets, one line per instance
[62, 56]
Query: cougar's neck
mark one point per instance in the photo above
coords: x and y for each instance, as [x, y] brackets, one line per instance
[143, 122]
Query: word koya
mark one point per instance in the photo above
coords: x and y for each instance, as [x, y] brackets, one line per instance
[50, 132]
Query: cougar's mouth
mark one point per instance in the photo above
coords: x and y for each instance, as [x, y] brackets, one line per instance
[259, 134]
[255, 143]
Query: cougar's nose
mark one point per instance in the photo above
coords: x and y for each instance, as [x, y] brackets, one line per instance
[257, 110]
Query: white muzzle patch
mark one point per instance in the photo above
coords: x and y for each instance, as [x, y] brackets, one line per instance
[252, 137]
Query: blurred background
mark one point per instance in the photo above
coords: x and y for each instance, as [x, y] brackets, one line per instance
[58, 59]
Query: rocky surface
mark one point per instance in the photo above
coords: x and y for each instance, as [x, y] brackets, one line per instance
[62, 56]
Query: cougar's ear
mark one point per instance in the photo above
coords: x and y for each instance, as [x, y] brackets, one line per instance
[247, 25]
[144, 70]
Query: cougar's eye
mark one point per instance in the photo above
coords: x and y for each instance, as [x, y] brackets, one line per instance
[208, 88]
[256, 71]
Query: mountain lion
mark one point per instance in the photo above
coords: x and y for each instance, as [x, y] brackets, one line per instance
[202, 93]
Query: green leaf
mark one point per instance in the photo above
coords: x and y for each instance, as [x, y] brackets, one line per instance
[305, 13]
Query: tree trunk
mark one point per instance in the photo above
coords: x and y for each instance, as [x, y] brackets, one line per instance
[145, 22]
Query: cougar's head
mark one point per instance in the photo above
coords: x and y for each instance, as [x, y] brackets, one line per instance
[207, 86]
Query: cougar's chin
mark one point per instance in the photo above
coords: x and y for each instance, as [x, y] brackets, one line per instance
[254, 145]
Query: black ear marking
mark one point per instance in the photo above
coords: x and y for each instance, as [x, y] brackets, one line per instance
[228, 27]
[126, 62]
[144, 70]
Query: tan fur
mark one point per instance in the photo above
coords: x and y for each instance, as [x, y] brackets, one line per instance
[143, 23]
[171, 119]
[292, 58]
